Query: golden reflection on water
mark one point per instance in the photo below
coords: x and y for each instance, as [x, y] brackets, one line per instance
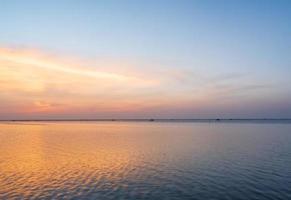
[34, 147]
[37, 159]
[35, 155]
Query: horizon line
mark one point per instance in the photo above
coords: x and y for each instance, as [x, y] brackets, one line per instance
[145, 119]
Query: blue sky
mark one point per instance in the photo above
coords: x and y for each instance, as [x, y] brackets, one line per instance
[246, 44]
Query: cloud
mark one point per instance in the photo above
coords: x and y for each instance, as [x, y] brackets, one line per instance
[40, 60]
[34, 83]
[37, 82]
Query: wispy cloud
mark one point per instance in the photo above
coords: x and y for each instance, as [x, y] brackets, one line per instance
[33, 82]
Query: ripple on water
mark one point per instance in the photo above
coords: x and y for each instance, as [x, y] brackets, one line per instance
[127, 160]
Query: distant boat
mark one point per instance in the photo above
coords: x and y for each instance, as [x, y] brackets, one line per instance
[151, 120]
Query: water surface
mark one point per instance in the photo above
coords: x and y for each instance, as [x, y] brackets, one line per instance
[145, 160]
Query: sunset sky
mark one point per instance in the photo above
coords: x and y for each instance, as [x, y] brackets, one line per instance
[72, 59]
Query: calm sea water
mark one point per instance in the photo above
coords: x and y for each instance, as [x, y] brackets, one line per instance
[145, 160]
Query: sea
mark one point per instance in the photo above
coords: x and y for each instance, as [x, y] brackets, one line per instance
[146, 159]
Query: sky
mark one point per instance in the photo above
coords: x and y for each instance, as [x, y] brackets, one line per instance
[85, 59]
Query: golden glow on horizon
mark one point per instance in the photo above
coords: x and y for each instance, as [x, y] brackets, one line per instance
[33, 82]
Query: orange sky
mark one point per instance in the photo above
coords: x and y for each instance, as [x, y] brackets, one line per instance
[37, 84]
[34, 82]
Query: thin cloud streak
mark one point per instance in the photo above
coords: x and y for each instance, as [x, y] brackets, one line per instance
[25, 58]
[35, 84]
